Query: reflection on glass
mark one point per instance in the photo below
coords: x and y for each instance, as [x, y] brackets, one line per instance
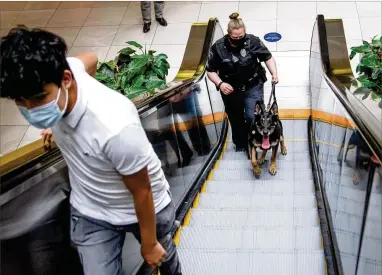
[347, 165]
[190, 129]
[159, 127]
[370, 261]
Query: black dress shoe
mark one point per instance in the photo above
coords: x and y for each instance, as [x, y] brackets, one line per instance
[146, 27]
[162, 21]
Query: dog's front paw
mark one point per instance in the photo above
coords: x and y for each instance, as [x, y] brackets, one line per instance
[261, 160]
[273, 169]
[284, 150]
[256, 169]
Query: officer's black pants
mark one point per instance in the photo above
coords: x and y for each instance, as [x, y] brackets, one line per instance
[234, 107]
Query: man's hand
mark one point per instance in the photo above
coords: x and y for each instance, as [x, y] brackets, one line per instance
[275, 78]
[153, 255]
[46, 135]
[226, 89]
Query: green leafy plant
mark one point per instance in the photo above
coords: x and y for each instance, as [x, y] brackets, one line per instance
[135, 71]
[369, 69]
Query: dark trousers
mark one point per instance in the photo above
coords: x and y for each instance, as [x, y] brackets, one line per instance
[240, 107]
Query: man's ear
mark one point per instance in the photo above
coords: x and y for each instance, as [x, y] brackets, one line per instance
[258, 107]
[275, 109]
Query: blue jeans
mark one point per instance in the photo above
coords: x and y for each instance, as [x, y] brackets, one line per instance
[251, 96]
[99, 243]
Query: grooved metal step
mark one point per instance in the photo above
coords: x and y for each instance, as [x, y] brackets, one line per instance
[246, 164]
[255, 218]
[257, 201]
[260, 186]
[265, 239]
[247, 174]
[220, 262]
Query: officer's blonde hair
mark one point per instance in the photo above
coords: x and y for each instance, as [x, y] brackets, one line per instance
[235, 23]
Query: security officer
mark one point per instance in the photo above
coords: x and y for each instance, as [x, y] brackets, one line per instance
[234, 67]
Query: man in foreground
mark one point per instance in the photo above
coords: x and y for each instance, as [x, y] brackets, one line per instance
[117, 182]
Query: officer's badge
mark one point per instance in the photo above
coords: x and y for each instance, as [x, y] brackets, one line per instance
[243, 52]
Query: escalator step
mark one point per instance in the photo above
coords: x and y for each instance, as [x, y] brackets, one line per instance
[247, 174]
[282, 164]
[217, 262]
[260, 186]
[265, 239]
[257, 201]
[254, 218]
[300, 157]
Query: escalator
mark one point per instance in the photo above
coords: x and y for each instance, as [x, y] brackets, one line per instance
[307, 219]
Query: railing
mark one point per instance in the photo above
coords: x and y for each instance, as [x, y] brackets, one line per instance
[186, 126]
[346, 148]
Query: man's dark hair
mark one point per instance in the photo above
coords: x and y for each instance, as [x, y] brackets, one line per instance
[29, 59]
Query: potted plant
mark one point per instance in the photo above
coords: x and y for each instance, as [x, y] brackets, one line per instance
[369, 69]
[134, 74]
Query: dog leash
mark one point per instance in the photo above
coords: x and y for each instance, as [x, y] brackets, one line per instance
[273, 94]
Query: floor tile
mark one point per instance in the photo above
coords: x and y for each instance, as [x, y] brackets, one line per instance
[113, 52]
[293, 46]
[33, 18]
[133, 14]
[293, 71]
[175, 53]
[287, 29]
[41, 5]
[371, 27]
[105, 4]
[260, 28]
[7, 18]
[251, 11]
[69, 17]
[172, 72]
[186, 13]
[32, 134]
[220, 10]
[134, 32]
[11, 136]
[352, 28]
[172, 34]
[12, 5]
[369, 9]
[3, 32]
[105, 16]
[101, 52]
[337, 9]
[69, 34]
[75, 4]
[10, 114]
[296, 10]
[96, 36]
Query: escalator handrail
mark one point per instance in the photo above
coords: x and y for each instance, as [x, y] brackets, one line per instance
[14, 167]
[339, 90]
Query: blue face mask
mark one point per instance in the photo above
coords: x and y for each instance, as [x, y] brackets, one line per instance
[44, 116]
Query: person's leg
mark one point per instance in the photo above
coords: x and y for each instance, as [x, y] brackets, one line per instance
[99, 245]
[146, 15]
[165, 220]
[234, 107]
[159, 6]
[250, 98]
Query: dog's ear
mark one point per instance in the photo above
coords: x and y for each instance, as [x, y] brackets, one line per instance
[258, 108]
[275, 109]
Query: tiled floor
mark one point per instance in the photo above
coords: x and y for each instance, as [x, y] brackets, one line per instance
[104, 27]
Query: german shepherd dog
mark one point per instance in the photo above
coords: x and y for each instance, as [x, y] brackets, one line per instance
[265, 132]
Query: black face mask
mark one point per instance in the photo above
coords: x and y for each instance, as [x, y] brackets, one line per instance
[237, 42]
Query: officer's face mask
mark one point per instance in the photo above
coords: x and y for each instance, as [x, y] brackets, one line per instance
[45, 116]
[237, 42]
